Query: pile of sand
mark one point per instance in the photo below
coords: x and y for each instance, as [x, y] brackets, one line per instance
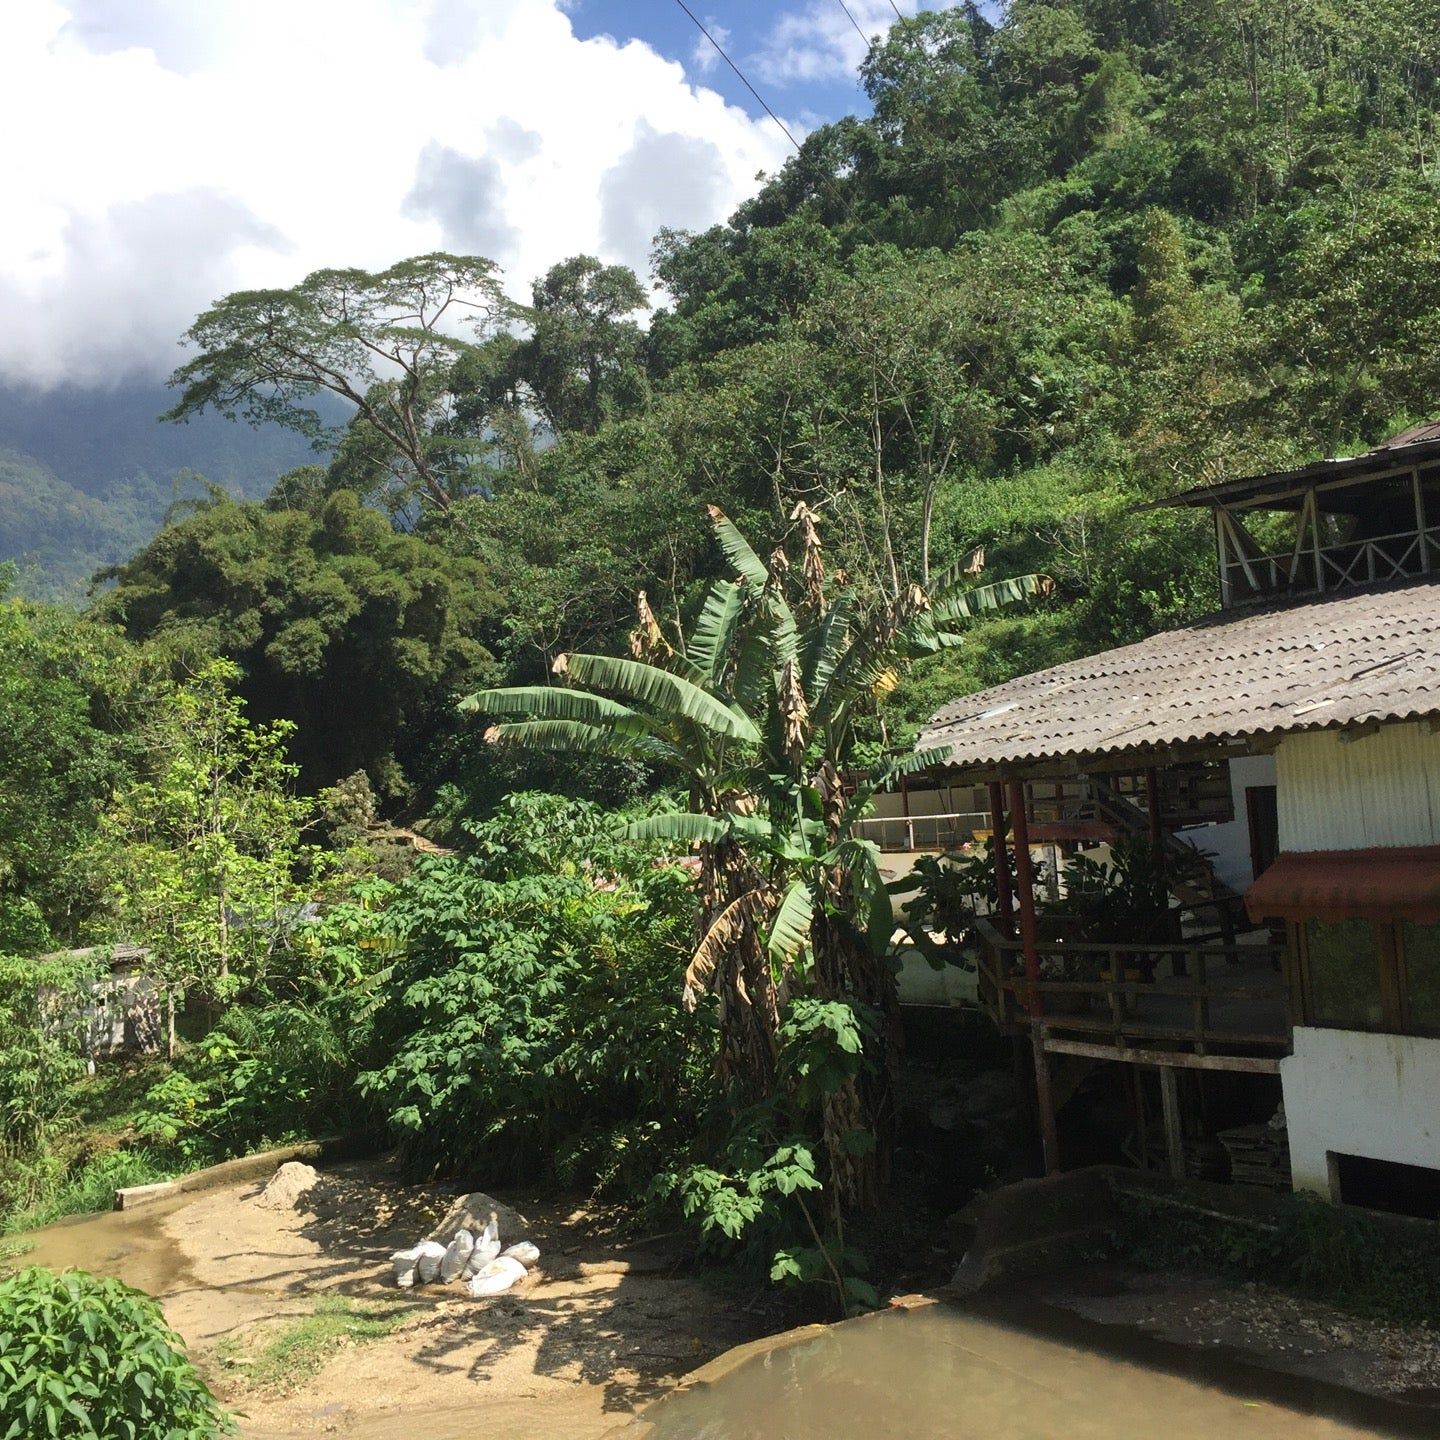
[288, 1186]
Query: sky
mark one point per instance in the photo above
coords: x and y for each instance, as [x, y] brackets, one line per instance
[162, 153]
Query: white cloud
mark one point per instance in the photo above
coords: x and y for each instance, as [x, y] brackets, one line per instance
[819, 42]
[164, 152]
[705, 57]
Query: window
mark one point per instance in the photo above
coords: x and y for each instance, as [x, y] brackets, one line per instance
[1420, 946]
[1344, 974]
[1385, 1185]
[1368, 975]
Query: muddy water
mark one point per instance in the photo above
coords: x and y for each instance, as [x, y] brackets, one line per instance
[128, 1244]
[943, 1374]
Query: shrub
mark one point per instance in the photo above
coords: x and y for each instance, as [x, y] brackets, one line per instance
[532, 1023]
[85, 1357]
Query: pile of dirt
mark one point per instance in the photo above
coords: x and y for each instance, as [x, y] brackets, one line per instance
[288, 1186]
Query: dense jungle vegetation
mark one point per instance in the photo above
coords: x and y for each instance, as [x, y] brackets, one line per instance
[1072, 263]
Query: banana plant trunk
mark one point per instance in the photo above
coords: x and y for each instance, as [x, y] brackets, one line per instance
[847, 969]
[749, 1006]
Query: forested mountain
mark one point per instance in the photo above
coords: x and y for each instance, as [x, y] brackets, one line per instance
[1073, 261]
[87, 476]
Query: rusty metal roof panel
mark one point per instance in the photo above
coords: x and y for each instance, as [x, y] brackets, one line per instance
[1361, 656]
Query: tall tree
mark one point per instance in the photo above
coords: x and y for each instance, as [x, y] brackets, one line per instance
[383, 343]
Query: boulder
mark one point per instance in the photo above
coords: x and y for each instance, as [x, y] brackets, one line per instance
[471, 1212]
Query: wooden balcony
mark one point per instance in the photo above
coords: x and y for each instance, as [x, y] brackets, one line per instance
[1190, 1003]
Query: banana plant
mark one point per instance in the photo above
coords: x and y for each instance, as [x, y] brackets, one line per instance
[756, 711]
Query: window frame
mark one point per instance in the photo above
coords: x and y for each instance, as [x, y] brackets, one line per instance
[1392, 978]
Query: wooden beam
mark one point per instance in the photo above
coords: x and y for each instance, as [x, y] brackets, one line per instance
[1152, 804]
[1004, 901]
[1030, 944]
[1123, 1055]
[1174, 1130]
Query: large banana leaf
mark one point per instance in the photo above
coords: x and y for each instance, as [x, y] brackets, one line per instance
[825, 644]
[680, 826]
[724, 930]
[550, 702]
[951, 605]
[790, 929]
[737, 548]
[668, 693]
[714, 630]
[875, 914]
[574, 737]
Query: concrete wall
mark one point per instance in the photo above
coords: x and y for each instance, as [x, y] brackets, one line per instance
[1382, 789]
[1355, 1093]
[1229, 842]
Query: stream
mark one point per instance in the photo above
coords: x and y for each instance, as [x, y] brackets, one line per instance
[995, 1368]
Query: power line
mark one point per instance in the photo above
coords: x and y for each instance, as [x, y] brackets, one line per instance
[850, 16]
[720, 51]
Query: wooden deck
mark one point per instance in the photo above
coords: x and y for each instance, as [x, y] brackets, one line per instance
[1185, 1004]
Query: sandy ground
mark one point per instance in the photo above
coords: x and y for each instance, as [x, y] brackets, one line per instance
[605, 1321]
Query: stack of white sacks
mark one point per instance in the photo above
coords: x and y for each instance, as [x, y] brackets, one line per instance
[478, 1260]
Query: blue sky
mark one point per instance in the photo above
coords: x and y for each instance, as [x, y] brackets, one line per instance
[801, 57]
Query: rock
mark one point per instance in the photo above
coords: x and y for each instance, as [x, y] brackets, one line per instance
[472, 1212]
[288, 1186]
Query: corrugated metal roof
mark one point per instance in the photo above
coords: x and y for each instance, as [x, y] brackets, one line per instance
[1307, 665]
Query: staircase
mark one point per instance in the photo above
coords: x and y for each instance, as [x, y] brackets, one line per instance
[1205, 890]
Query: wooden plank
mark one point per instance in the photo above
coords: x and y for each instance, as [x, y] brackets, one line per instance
[1245, 1064]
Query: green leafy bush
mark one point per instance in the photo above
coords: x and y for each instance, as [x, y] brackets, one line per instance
[85, 1357]
[282, 1064]
[760, 1199]
[43, 1026]
[532, 1024]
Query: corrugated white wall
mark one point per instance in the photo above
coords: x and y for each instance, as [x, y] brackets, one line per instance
[1383, 789]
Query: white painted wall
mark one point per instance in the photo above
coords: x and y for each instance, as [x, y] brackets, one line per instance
[1355, 1093]
[1383, 789]
[1229, 842]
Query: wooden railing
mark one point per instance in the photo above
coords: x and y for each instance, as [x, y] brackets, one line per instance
[1129, 1003]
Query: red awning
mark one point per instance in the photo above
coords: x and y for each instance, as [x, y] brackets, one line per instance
[1395, 884]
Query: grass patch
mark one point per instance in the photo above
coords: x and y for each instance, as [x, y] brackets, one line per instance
[301, 1348]
[89, 1187]
[12, 1250]
[1310, 1249]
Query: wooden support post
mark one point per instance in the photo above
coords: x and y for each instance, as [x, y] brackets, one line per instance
[1030, 945]
[1005, 902]
[1174, 1135]
[1152, 805]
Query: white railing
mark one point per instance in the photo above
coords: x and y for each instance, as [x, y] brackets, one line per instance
[924, 832]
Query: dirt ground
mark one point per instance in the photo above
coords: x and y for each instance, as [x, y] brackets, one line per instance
[1260, 1325]
[604, 1322]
